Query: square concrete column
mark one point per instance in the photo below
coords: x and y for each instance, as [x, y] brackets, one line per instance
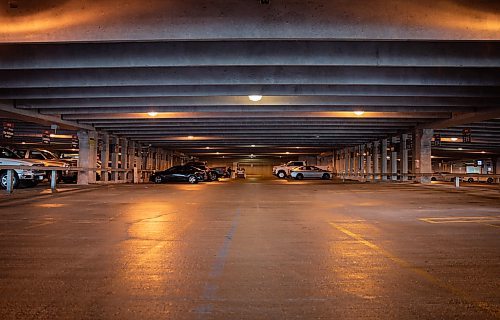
[383, 158]
[376, 162]
[87, 156]
[356, 161]
[403, 156]
[422, 151]
[131, 158]
[124, 158]
[347, 161]
[369, 156]
[104, 156]
[394, 159]
[362, 169]
[115, 149]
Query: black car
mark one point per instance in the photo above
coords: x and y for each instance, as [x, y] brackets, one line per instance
[211, 174]
[179, 174]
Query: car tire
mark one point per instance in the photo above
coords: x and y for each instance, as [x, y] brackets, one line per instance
[281, 174]
[192, 180]
[470, 180]
[158, 179]
[325, 176]
[300, 176]
[489, 180]
[3, 180]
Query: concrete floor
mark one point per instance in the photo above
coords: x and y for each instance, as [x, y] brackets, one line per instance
[252, 249]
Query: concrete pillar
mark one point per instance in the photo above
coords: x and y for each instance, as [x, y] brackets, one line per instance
[87, 156]
[394, 159]
[115, 148]
[376, 161]
[124, 158]
[347, 161]
[369, 157]
[403, 150]
[383, 158]
[131, 159]
[356, 161]
[362, 169]
[104, 156]
[497, 168]
[422, 151]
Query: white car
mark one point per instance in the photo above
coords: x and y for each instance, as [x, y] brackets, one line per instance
[29, 177]
[310, 172]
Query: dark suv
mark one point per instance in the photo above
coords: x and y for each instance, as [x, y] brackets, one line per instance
[211, 175]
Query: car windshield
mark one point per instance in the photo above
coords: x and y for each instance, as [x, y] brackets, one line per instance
[6, 153]
[49, 155]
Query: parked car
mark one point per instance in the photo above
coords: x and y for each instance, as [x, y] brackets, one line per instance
[482, 178]
[211, 174]
[240, 173]
[221, 172]
[310, 172]
[28, 177]
[179, 174]
[284, 170]
[50, 159]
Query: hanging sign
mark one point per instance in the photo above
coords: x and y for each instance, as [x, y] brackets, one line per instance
[8, 130]
[466, 135]
[74, 141]
[437, 140]
[46, 137]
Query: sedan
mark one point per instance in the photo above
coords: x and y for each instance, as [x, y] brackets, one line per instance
[309, 172]
[179, 174]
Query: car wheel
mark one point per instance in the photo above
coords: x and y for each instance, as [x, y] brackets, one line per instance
[3, 180]
[325, 176]
[490, 180]
[470, 180]
[433, 179]
[158, 179]
[282, 175]
[192, 180]
[300, 176]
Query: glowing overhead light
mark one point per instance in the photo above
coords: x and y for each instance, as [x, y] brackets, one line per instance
[287, 152]
[23, 142]
[152, 113]
[190, 137]
[460, 148]
[217, 152]
[255, 97]
[359, 112]
[454, 139]
[207, 148]
[296, 147]
[253, 146]
[252, 156]
[483, 151]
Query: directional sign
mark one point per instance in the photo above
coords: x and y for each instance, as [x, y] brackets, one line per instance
[74, 141]
[46, 137]
[437, 140]
[466, 135]
[8, 130]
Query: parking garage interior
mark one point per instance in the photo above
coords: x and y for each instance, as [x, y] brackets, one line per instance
[397, 102]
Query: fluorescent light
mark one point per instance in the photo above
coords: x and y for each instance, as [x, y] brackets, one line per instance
[359, 112]
[190, 137]
[253, 146]
[287, 152]
[454, 139]
[460, 148]
[152, 113]
[483, 151]
[255, 97]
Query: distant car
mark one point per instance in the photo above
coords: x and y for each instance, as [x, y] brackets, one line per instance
[211, 174]
[179, 174]
[480, 179]
[241, 173]
[221, 172]
[310, 172]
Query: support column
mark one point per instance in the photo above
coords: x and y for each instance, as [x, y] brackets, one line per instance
[356, 162]
[369, 155]
[394, 159]
[376, 155]
[422, 151]
[104, 157]
[124, 152]
[362, 171]
[347, 161]
[87, 156]
[131, 159]
[403, 149]
[383, 158]
[115, 146]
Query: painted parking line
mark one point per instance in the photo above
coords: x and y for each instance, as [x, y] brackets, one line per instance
[491, 309]
[492, 221]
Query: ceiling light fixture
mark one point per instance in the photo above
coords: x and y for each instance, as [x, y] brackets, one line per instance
[255, 97]
[359, 112]
[454, 139]
[152, 113]
[253, 146]
[287, 152]
[190, 137]
[460, 148]
[207, 148]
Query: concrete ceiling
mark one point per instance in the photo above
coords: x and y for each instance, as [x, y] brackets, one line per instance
[404, 64]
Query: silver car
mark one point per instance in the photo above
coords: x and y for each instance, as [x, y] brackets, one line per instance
[310, 172]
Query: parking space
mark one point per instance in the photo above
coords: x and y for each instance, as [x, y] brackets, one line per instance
[250, 250]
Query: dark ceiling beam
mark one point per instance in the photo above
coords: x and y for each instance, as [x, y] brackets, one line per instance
[458, 119]
[8, 111]
[244, 90]
[250, 75]
[249, 53]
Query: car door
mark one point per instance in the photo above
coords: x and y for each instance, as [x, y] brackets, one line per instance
[317, 172]
[306, 171]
